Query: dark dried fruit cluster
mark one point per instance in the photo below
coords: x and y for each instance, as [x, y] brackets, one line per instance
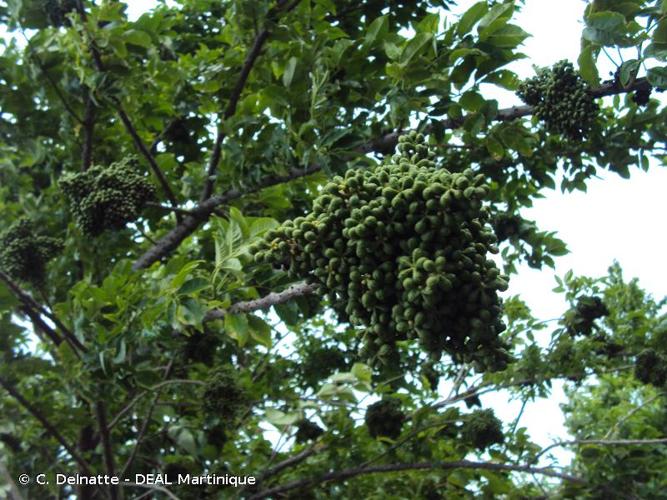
[224, 396]
[562, 99]
[24, 254]
[385, 418]
[581, 319]
[57, 10]
[107, 198]
[307, 431]
[482, 429]
[651, 368]
[403, 250]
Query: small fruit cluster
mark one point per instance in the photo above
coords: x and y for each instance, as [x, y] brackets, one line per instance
[107, 198]
[24, 254]
[561, 99]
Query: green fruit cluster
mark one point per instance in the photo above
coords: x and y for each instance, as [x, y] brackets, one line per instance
[224, 396]
[482, 429]
[24, 254]
[581, 319]
[307, 431]
[385, 418]
[319, 364]
[107, 198]
[403, 250]
[562, 99]
[651, 368]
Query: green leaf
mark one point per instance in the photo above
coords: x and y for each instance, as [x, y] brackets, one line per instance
[281, 419]
[471, 17]
[377, 30]
[183, 273]
[260, 331]
[362, 372]
[414, 46]
[658, 77]
[605, 28]
[628, 71]
[494, 19]
[507, 37]
[472, 101]
[236, 326]
[587, 66]
[136, 37]
[193, 285]
[290, 68]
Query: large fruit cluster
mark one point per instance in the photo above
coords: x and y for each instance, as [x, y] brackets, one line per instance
[651, 368]
[482, 429]
[403, 250]
[24, 254]
[224, 396]
[385, 418]
[107, 197]
[562, 99]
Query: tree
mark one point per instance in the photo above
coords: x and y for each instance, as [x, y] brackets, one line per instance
[177, 269]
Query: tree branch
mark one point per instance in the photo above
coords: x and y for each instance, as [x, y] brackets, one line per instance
[272, 299]
[101, 413]
[13, 493]
[202, 212]
[234, 97]
[461, 464]
[30, 304]
[139, 144]
[88, 131]
[144, 425]
[157, 386]
[129, 127]
[48, 426]
[603, 442]
[384, 144]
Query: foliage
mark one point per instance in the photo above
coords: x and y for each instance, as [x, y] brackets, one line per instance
[145, 163]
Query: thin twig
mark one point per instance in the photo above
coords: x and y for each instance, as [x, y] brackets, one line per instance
[602, 442]
[101, 413]
[272, 299]
[138, 397]
[461, 464]
[232, 104]
[145, 424]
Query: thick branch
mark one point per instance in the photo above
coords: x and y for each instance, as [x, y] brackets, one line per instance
[461, 464]
[201, 213]
[272, 299]
[384, 144]
[290, 462]
[48, 426]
